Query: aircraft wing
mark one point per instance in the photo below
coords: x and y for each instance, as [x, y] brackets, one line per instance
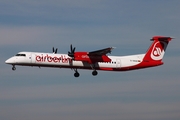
[101, 52]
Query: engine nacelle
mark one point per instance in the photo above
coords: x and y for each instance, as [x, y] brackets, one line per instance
[84, 56]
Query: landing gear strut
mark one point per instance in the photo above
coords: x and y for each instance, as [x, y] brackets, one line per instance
[94, 72]
[13, 68]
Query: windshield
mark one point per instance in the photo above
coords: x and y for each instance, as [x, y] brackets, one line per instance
[20, 54]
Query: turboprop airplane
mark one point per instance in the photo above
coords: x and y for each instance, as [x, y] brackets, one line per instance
[95, 60]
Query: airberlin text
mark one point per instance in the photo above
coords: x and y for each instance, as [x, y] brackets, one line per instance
[53, 59]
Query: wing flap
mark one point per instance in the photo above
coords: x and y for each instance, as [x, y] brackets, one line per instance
[101, 52]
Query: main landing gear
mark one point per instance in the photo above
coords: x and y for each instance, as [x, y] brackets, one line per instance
[94, 73]
[13, 68]
[76, 74]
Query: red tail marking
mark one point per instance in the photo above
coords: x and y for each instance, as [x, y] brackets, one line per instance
[157, 48]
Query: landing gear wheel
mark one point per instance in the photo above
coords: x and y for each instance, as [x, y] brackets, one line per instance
[94, 73]
[13, 68]
[76, 74]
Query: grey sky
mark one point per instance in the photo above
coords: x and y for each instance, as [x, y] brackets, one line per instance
[42, 94]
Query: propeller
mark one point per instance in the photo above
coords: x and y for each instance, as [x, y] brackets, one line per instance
[55, 50]
[71, 53]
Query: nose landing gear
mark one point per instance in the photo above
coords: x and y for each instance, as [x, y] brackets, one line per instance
[13, 68]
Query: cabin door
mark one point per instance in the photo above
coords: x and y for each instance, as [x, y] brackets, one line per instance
[118, 63]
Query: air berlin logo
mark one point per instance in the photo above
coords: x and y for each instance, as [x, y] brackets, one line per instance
[158, 50]
[54, 59]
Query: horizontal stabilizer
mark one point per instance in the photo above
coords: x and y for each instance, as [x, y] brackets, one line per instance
[161, 38]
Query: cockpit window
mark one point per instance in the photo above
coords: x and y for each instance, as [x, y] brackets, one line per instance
[20, 54]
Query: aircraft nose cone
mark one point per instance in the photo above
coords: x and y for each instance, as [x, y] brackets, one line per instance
[9, 61]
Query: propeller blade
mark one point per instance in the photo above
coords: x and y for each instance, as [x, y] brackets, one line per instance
[71, 48]
[54, 50]
[71, 52]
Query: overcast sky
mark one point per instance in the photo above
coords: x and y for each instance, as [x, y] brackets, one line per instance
[32, 93]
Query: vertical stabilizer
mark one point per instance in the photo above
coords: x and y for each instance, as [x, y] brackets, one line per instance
[157, 49]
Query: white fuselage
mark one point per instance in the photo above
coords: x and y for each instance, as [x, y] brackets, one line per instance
[64, 61]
